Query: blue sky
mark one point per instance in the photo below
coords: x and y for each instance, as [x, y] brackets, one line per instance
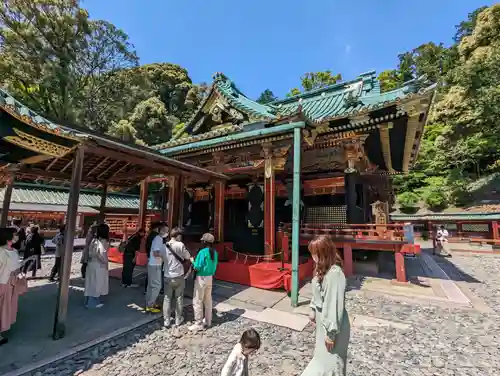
[263, 44]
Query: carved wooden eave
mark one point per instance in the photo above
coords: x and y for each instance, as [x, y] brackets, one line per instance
[37, 144]
[385, 144]
[417, 112]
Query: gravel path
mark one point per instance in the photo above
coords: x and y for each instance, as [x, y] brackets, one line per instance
[439, 341]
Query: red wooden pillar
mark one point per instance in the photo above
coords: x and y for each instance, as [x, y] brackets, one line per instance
[285, 246]
[348, 263]
[219, 193]
[143, 208]
[494, 230]
[269, 212]
[400, 266]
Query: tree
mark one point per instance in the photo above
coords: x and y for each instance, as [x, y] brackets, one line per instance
[408, 200]
[51, 53]
[465, 28]
[125, 132]
[267, 96]
[316, 80]
[461, 143]
[389, 80]
[152, 121]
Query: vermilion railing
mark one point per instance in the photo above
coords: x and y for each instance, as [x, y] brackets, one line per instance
[353, 231]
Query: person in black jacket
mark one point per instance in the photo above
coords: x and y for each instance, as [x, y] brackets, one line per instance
[20, 244]
[34, 247]
[132, 245]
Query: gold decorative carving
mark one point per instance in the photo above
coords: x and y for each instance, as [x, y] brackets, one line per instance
[268, 168]
[10, 109]
[309, 136]
[38, 145]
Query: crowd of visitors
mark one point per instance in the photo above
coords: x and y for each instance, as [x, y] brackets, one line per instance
[169, 265]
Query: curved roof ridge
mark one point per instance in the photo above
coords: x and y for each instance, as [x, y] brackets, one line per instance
[32, 118]
[312, 93]
[232, 94]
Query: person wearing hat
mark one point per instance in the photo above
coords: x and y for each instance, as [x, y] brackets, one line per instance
[205, 266]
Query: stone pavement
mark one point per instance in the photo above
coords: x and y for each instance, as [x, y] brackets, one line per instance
[392, 333]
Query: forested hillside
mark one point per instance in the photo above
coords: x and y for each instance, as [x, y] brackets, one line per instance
[460, 150]
[76, 70]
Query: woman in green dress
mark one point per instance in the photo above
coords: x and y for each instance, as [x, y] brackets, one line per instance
[328, 311]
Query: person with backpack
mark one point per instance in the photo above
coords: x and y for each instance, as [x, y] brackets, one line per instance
[129, 249]
[205, 266]
[177, 264]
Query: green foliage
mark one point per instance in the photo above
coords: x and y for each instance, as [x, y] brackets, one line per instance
[408, 200]
[52, 55]
[389, 80]
[316, 80]
[125, 132]
[72, 69]
[436, 199]
[267, 96]
[461, 143]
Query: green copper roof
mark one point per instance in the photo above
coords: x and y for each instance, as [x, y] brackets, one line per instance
[238, 100]
[57, 197]
[17, 109]
[447, 217]
[347, 99]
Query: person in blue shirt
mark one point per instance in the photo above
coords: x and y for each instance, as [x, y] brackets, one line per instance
[205, 266]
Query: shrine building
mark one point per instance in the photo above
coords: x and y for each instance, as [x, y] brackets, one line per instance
[349, 138]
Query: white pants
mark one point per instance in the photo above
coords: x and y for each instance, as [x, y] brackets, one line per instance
[202, 299]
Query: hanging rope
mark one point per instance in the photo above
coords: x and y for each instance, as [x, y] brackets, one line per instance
[257, 258]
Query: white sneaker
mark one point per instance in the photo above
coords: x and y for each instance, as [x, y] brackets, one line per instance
[134, 285]
[166, 324]
[196, 328]
[179, 322]
[100, 305]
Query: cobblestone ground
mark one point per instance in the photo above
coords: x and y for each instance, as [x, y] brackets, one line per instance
[439, 341]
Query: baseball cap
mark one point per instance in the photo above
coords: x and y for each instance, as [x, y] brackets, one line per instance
[207, 237]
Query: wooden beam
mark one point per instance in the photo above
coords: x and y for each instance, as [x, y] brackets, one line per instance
[67, 166]
[59, 330]
[110, 167]
[171, 167]
[143, 205]
[119, 170]
[102, 206]
[26, 171]
[7, 195]
[51, 164]
[98, 166]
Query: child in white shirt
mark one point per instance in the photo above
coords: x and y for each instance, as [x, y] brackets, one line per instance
[237, 363]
